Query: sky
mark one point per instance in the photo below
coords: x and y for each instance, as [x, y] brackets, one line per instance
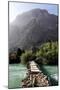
[16, 8]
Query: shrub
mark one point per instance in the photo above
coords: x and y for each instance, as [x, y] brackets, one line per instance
[49, 51]
[27, 56]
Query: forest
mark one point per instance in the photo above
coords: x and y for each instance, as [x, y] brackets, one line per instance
[46, 53]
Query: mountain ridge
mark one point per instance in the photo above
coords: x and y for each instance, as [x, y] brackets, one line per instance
[33, 28]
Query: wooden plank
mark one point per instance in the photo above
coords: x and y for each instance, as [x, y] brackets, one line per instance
[35, 75]
[33, 67]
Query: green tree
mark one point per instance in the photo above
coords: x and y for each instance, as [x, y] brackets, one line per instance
[27, 56]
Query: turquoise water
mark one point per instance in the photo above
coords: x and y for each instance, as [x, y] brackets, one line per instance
[53, 74]
[17, 72]
[51, 69]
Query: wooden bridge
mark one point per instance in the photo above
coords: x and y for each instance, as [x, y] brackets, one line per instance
[35, 77]
[33, 67]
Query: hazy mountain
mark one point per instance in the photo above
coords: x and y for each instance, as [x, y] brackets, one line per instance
[33, 28]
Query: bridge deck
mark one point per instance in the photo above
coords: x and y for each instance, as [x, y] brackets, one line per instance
[33, 67]
[35, 77]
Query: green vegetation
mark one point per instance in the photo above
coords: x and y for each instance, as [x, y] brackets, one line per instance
[14, 57]
[27, 56]
[47, 53]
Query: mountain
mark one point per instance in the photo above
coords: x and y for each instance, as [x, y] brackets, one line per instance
[32, 28]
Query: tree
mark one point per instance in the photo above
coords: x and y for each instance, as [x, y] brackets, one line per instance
[49, 51]
[19, 52]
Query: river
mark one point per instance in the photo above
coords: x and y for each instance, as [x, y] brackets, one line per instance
[17, 72]
[52, 72]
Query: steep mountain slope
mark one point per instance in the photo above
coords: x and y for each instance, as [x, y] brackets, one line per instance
[33, 28]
